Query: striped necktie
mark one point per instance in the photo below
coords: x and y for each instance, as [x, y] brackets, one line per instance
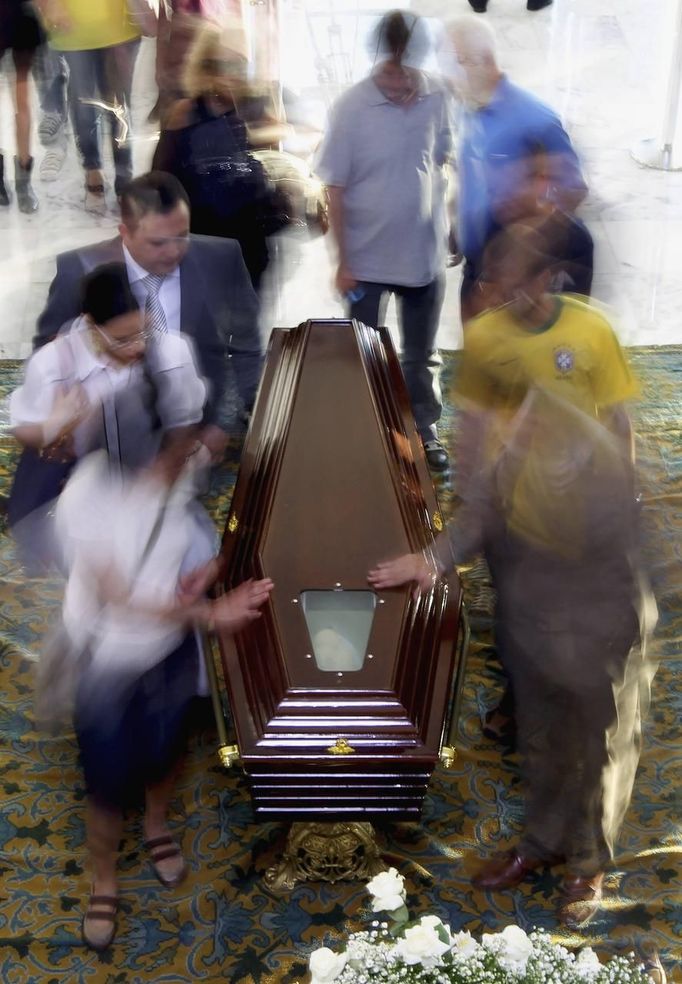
[153, 309]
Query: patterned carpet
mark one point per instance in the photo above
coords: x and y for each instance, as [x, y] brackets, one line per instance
[222, 924]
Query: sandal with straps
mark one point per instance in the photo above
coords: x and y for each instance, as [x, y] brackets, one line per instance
[160, 849]
[101, 909]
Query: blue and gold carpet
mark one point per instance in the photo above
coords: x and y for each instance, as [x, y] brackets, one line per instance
[222, 924]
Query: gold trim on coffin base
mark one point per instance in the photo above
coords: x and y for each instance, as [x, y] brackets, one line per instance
[330, 852]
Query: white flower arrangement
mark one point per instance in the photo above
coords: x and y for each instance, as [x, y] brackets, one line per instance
[425, 951]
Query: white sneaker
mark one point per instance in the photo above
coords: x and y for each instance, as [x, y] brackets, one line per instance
[52, 162]
[51, 125]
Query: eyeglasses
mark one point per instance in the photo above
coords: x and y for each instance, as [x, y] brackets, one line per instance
[121, 343]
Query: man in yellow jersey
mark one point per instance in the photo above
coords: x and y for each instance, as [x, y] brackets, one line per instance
[546, 477]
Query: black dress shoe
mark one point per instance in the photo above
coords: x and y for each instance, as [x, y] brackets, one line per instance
[537, 4]
[436, 456]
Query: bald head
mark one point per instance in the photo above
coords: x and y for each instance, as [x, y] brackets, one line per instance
[473, 35]
[475, 51]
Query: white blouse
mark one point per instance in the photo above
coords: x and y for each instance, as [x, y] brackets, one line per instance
[70, 360]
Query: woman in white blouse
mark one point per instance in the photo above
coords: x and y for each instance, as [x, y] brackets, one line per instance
[104, 382]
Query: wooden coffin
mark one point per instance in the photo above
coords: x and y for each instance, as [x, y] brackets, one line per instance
[339, 694]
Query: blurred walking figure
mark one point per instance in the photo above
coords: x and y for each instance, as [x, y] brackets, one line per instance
[205, 145]
[548, 488]
[514, 157]
[22, 34]
[128, 538]
[179, 22]
[99, 42]
[383, 160]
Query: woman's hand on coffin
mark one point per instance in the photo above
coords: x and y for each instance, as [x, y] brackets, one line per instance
[410, 568]
[234, 610]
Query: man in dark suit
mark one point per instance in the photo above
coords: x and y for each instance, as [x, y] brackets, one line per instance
[194, 284]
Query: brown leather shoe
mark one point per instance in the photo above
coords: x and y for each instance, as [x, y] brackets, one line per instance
[505, 871]
[582, 895]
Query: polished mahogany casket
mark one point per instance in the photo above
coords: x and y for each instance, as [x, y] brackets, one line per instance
[340, 694]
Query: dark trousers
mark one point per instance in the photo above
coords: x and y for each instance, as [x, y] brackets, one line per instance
[100, 85]
[570, 648]
[418, 315]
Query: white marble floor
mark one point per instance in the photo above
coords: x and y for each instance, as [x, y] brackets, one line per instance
[601, 63]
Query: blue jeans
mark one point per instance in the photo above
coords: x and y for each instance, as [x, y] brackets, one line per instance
[103, 76]
[418, 315]
[51, 74]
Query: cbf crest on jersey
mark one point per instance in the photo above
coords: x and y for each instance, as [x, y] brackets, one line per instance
[564, 360]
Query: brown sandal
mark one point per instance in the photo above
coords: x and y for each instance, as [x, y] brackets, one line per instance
[160, 849]
[101, 909]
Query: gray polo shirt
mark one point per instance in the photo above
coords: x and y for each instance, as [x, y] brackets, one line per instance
[389, 159]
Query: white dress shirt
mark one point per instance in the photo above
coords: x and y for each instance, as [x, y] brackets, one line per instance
[169, 294]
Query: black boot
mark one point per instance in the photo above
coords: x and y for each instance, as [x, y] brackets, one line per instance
[26, 196]
[4, 197]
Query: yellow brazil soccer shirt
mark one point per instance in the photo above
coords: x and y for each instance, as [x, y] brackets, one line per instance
[542, 391]
[94, 24]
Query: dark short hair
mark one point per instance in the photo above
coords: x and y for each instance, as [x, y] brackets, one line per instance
[400, 34]
[106, 293]
[156, 192]
[534, 244]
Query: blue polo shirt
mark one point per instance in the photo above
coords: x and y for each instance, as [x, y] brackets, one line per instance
[389, 159]
[495, 144]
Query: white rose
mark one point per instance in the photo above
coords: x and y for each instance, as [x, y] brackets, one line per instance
[512, 947]
[587, 964]
[421, 944]
[325, 965]
[387, 890]
[464, 945]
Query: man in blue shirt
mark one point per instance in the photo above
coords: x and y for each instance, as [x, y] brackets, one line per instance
[503, 128]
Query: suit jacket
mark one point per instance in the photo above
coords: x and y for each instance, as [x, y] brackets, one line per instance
[218, 309]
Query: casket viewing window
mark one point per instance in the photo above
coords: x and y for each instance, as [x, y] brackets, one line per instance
[339, 623]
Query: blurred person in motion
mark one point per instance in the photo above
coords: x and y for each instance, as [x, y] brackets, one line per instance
[548, 493]
[184, 283]
[107, 381]
[22, 34]
[383, 160]
[514, 158]
[205, 145]
[179, 21]
[99, 41]
[129, 537]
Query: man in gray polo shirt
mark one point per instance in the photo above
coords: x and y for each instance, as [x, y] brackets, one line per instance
[383, 160]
